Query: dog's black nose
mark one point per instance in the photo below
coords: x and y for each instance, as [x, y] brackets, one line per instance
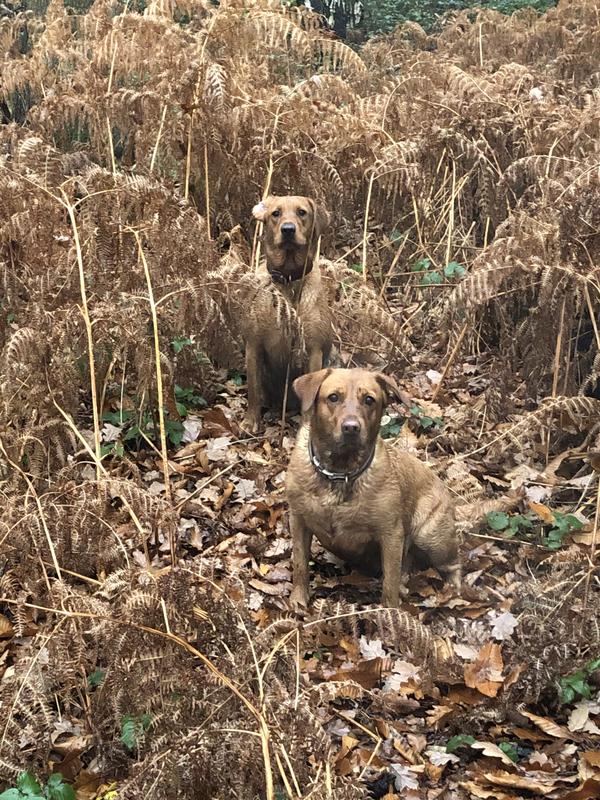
[288, 229]
[351, 426]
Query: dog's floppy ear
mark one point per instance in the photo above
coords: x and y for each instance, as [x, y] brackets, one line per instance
[391, 389]
[321, 218]
[261, 209]
[307, 387]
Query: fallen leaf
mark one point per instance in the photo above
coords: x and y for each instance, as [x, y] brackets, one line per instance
[225, 496]
[191, 430]
[579, 718]
[587, 536]
[366, 673]
[493, 751]
[404, 778]
[465, 652]
[521, 782]
[438, 756]
[274, 589]
[485, 673]
[436, 714]
[245, 489]
[371, 648]
[592, 757]
[348, 744]
[6, 628]
[548, 726]
[403, 672]
[543, 512]
[483, 792]
[216, 449]
[504, 626]
[589, 791]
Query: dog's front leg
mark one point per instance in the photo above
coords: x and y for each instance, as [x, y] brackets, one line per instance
[301, 539]
[254, 378]
[392, 553]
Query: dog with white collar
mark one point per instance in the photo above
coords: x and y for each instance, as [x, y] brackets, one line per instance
[365, 500]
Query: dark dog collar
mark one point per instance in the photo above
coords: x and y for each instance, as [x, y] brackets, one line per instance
[289, 277]
[346, 477]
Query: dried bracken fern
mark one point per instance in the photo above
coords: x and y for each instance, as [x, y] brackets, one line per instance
[477, 147]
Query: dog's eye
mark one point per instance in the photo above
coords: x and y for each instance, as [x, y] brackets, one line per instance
[301, 212]
[369, 400]
[276, 213]
[333, 397]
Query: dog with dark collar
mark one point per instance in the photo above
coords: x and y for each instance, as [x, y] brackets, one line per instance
[365, 500]
[287, 327]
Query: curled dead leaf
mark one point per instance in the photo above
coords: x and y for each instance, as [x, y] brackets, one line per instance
[539, 785]
[548, 726]
[492, 751]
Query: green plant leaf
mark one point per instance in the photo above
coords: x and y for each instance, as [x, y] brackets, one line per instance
[357, 268]
[458, 741]
[567, 695]
[421, 266]
[497, 520]
[129, 731]
[574, 523]
[392, 428]
[117, 417]
[11, 794]
[174, 430]
[454, 269]
[28, 785]
[431, 279]
[592, 666]
[96, 677]
[510, 749]
[180, 342]
[239, 378]
[57, 789]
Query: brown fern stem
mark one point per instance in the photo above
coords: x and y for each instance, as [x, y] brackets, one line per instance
[88, 329]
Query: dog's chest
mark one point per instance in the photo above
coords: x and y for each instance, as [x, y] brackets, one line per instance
[341, 521]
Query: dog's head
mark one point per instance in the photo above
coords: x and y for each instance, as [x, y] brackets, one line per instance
[291, 224]
[345, 407]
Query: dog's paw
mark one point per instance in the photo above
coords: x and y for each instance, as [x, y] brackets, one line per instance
[250, 424]
[299, 599]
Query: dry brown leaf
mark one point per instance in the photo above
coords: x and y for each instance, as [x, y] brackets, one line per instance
[549, 726]
[225, 496]
[493, 751]
[592, 757]
[520, 782]
[274, 589]
[586, 536]
[436, 714]
[483, 792]
[589, 791]
[543, 512]
[348, 744]
[6, 628]
[366, 673]
[485, 673]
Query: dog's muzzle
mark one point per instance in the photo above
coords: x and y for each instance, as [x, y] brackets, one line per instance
[288, 231]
